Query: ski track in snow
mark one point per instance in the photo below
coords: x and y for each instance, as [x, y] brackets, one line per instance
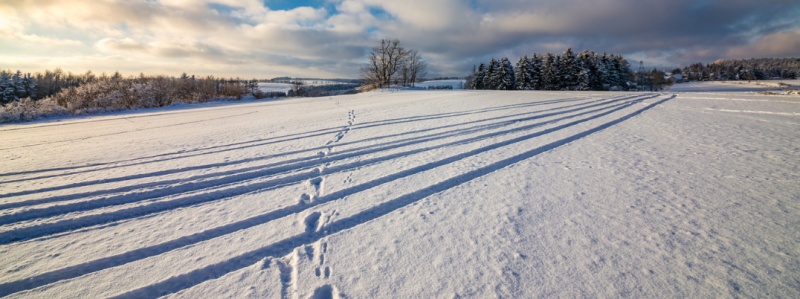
[281, 197]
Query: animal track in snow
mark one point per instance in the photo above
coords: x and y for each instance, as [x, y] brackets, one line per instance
[318, 185]
[312, 222]
[349, 179]
[351, 118]
[305, 198]
[320, 271]
[326, 292]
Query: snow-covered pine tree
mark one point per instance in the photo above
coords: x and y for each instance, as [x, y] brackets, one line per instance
[602, 72]
[523, 74]
[585, 65]
[568, 71]
[21, 85]
[612, 73]
[492, 75]
[536, 72]
[505, 75]
[624, 72]
[7, 93]
[558, 84]
[550, 73]
[480, 77]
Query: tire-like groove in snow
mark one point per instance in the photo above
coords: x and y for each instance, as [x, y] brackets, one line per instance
[127, 213]
[180, 282]
[280, 248]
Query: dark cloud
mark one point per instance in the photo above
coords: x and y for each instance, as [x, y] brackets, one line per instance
[244, 35]
[678, 32]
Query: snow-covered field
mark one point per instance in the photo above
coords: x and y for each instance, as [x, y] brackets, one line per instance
[410, 194]
[285, 87]
[456, 84]
[773, 86]
[273, 87]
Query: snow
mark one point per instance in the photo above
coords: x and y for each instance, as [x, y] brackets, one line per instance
[285, 87]
[456, 84]
[274, 87]
[410, 194]
[734, 86]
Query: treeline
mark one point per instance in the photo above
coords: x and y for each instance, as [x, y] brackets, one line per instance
[58, 93]
[587, 70]
[742, 69]
[18, 85]
[15, 86]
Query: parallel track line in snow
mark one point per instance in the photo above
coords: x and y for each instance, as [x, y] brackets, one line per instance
[267, 141]
[125, 132]
[215, 165]
[281, 248]
[74, 223]
[284, 247]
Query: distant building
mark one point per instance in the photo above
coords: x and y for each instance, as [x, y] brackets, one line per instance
[673, 78]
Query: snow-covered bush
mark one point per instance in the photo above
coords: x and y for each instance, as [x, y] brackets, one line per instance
[28, 109]
[105, 94]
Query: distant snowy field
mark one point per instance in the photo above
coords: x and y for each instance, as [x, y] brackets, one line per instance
[274, 87]
[410, 194]
[456, 84]
[285, 87]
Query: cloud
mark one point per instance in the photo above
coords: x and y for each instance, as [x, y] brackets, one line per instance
[126, 45]
[248, 36]
[779, 44]
[43, 40]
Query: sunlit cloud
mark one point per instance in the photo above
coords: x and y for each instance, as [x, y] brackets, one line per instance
[248, 38]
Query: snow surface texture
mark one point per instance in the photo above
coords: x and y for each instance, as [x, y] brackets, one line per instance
[410, 194]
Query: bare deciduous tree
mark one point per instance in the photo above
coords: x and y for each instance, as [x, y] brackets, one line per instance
[415, 66]
[384, 62]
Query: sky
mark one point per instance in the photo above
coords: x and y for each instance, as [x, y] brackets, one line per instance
[330, 38]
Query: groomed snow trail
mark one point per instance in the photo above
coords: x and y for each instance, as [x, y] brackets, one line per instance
[410, 194]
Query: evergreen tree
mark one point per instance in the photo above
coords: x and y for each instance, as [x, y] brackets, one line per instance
[480, 77]
[505, 75]
[550, 73]
[611, 77]
[568, 71]
[523, 74]
[492, 75]
[623, 71]
[586, 66]
[612, 67]
[19, 86]
[599, 77]
[7, 93]
[536, 72]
